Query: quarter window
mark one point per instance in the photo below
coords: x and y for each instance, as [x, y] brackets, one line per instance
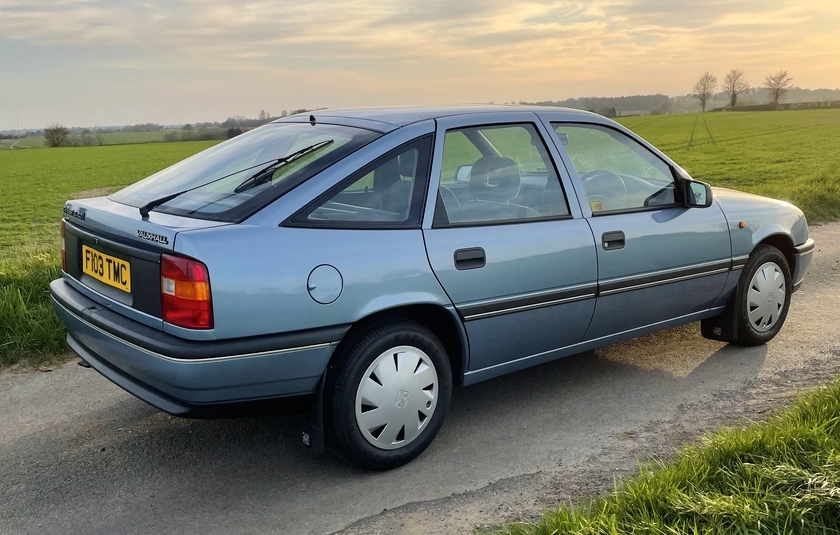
[617, 172]
[498, 174]
[390, 192]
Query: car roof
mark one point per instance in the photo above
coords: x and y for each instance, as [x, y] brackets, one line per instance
[399, 116]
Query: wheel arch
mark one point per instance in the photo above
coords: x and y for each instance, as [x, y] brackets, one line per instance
[784, 243]
[444, 323]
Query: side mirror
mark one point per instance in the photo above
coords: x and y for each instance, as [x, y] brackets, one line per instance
[697, 194]
[462, 174]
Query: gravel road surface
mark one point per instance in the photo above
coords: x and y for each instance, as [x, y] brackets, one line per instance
[80, 456]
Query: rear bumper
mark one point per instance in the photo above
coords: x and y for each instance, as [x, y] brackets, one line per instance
[803, 254]
[193, 378]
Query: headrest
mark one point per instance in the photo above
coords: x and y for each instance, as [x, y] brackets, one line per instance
[407, 162]
[386, 175]
[494, 178]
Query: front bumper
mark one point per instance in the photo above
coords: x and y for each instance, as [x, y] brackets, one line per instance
[189, 378]
[803, 254]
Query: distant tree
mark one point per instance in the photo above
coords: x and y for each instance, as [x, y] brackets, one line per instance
[263, 116]
[284, 113]
[608, 111]
[734, 84]
[233, 132]
[778, 84]
[188, 126]
[99, 139]
[704, 89]
[56, 135]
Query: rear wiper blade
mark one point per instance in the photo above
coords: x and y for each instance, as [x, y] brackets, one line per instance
[144, 210]
[271, 164]
[265, 174]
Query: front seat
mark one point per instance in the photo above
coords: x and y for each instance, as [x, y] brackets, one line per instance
[494, 183]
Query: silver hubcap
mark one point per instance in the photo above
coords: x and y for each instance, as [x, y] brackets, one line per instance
[397, 397]
[766, 297]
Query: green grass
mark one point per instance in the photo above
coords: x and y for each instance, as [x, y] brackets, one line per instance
[116, 138]
[789, 155]
[34, 185]
[781, 476]
[30, 330]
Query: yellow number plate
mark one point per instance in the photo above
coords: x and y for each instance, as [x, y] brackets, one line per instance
[106, 268]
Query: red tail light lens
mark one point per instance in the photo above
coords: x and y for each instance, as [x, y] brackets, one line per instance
[63, 249]
[185, 292]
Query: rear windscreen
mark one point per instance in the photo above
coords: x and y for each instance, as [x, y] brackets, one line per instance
[234, 179]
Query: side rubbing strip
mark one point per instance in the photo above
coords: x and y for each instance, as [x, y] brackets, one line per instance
[665, 277]
[738, 262]
[508, 305]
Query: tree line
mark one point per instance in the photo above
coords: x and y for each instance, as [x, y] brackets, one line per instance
[735, 84]
[57, 135]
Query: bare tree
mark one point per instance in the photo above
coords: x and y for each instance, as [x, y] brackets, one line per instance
[778, 84]
[56, 135]
[704, 89]
[734, 84]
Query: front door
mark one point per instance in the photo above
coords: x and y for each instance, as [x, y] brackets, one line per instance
[658, 260]
[518, 265]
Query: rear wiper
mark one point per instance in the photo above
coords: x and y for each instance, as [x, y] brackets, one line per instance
[271, 164]
[266, 174]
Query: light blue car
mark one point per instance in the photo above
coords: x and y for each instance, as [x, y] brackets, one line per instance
[359, 263]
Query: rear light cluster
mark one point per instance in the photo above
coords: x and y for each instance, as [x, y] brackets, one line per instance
[63, 249]
[185, 292]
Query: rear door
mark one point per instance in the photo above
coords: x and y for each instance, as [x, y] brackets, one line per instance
[658, 260]
[516, 259]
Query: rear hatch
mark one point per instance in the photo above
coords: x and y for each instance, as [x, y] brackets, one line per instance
[114, 255]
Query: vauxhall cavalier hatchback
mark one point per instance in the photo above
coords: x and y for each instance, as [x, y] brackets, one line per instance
[365, 261]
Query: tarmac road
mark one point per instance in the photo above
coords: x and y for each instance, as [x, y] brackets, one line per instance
[80, 456]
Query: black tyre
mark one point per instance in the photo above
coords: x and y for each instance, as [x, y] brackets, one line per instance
[763, 296]
[387, 395]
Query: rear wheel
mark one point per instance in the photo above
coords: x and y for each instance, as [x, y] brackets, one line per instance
[763, 297]
[388, 394]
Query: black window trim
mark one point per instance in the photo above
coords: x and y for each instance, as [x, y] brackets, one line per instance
[424, 144]
[679, 194]
[441, 217]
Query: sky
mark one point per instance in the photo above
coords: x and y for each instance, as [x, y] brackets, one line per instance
[113, 62]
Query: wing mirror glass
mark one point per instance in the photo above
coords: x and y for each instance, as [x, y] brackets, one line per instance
[698, 194]
[462, 174]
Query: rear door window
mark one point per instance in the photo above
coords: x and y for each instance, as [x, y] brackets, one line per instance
[498, 174]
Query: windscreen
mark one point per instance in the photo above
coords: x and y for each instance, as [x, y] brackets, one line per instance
[233, 179]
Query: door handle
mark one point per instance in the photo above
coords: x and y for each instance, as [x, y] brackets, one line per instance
[472, 258]
[612, 240]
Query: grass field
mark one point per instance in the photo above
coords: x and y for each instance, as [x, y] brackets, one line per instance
[117, 138]
[33, 186]
[781, 476]
[791, 155]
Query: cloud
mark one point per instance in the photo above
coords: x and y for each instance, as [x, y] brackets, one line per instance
[373, 51]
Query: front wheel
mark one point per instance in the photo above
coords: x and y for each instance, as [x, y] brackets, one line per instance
[763, 297]
[388, 394]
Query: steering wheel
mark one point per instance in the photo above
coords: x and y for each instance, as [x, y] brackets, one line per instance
[605, 187]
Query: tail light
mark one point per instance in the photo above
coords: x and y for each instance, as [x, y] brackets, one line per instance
[185, 292]
[63, 249]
